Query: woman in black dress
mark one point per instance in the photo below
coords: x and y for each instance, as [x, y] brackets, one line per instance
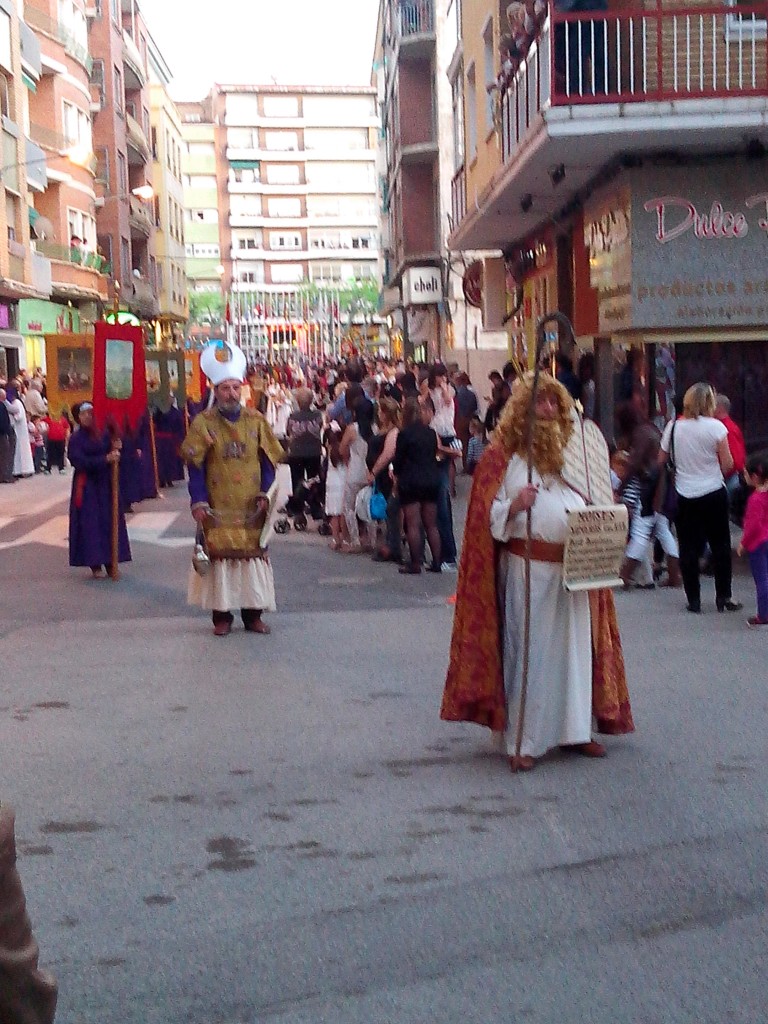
[418, 482]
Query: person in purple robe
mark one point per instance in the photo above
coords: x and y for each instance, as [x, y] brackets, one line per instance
[169, 433]
[92, 455]
[137, 467]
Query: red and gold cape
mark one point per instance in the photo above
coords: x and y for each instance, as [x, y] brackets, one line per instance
[474, 688]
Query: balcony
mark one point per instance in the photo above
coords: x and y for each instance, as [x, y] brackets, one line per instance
[16, 256]
[135, 75]
[82, 269]
[42, 278]
[598, 86]
[139, 218]
[141, 298]
[41, 21]
[414, 26]
[138, 147]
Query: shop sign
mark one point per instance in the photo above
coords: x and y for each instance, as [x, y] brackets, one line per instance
[37, 316]
[422, 286]
[5, 317]
[680, 247]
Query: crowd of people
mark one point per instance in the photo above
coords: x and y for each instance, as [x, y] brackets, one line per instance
[31, 439]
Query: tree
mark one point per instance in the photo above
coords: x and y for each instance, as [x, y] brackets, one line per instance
[206, 308]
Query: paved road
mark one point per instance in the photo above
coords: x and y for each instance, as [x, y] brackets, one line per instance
[281, 829]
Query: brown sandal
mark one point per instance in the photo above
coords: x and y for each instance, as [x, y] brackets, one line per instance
[522, 763]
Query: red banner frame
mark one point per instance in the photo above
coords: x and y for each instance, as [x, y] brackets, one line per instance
[118, 411]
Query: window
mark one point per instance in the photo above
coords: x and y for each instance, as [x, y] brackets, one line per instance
[119, 98]
[145, 121]
[749, 24]
[489, 65]
[77, 126]
[331, 272]
[334, 140]
[244, 175]
[287, 273]
[471, 113]
[281, 106]
[115, 9]
[125, 259]
[5, 97]
[284, 207]
[83, 226]
[457, 103]
[97, 79]
[201, 149]
[281, 141]
[122, 173]
[12, 216]
[203, 216]
[205, 252]
[205, 181]
[283, 174]
[284, 241]
[245, 205]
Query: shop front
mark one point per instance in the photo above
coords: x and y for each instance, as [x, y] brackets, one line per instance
[38, 317]
[12, 353]
[677, 255]
[422, 300]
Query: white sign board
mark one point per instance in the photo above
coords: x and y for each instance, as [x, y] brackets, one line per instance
[594, 547]
[422, 286]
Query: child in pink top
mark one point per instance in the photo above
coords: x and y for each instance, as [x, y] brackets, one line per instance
[755, 538]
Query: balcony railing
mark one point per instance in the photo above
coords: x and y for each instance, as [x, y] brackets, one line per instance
[43, 22]
[635, 57]
[459, 196]
[415, 17]
[74, 254]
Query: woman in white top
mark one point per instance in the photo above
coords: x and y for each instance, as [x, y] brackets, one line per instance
[353, 450]
[697, 446]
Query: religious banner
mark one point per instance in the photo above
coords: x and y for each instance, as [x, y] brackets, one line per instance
[69, 358]
[193, 378]
[166, 378]
[594, 547]
[119, 375]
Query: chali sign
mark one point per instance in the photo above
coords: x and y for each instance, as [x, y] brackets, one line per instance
[422, 286]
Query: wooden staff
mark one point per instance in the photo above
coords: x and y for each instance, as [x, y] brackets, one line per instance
[153, 444]
[541, 339]
[114, 571]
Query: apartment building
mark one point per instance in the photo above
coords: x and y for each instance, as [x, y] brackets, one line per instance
[292, 193]
[167, 144]
[24, 274]
[201, 203]
[618, 162]
[119, 40]
[417, 46]
[62, 212]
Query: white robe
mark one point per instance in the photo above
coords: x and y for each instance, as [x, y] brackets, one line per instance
[233, 583]
[559, 696]
[23, 464]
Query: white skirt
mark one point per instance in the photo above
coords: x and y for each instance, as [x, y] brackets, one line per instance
[233, 583]
[334, 489]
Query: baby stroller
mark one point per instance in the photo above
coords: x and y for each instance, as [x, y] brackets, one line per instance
[308, 500]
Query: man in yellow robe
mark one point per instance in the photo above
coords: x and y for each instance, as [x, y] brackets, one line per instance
[231, 453]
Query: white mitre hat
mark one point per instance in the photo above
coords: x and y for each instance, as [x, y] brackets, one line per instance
[221, 360]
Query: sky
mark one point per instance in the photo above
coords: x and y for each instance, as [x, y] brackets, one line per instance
[291, 42]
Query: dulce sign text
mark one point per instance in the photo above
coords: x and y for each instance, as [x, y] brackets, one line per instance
[675, 216]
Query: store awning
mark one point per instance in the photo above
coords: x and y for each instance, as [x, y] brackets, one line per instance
[245, 165]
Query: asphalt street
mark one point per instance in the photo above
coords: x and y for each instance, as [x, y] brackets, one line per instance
[281, 828]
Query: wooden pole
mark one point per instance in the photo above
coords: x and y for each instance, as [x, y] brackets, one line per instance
[154, 452]
[114, 571]
[563, 321]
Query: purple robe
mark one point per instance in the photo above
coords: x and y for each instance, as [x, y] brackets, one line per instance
[169, 433]
[137, 469]
[90, 508]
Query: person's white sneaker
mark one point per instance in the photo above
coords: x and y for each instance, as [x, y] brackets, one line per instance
[449, 567]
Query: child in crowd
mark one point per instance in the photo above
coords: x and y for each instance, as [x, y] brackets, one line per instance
[37, 443]
[335, 480]
[755, 537]
[478, 442]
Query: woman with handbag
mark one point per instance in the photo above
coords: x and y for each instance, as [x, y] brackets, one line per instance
[381, 452]
[696, 445]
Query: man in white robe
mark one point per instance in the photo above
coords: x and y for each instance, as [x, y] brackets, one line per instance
[558, 709]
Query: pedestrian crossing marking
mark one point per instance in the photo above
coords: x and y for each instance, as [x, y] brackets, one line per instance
[53, 534]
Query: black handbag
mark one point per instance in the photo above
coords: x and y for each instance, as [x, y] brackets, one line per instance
[665, 499]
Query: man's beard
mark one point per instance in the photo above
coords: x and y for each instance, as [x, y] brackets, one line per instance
[230, 406]
[548, 448]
